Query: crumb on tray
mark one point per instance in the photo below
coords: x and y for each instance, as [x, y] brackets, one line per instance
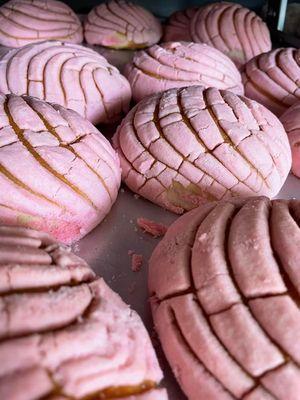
[154, 228]
[136, 261]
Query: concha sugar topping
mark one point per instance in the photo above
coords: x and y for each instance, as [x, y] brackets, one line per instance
[291, 122]
[180, 64]
[121, 25]
[187, 145]
[28, 21]
[64, 333]
[273, 79]
[235, 30]
[71, 75]
[57, 172]
[225, 287]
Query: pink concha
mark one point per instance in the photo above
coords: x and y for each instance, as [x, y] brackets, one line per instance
[28, 21]
[235, 30]
[57, 172]
[121, 25]
[67, 74]
[189, 145]
[291, 122]
[180, 64]
[178, 25]
[273, 79]
[225, 291]
[64, 333]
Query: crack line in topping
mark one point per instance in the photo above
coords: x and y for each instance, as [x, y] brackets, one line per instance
[186, 344]
[139, 15]
[49, 10]
[278, 54]
[245, 299]
[227, 138]
[20, 134]
[105, 18]
[115, 14]
[188, 123]
[220, 22]
[156, 122]
[193, 290]
[101, 94]
[291, 289]
[259, 89]
[107, 393]
[237, 36]
[230, 274]
[250, 16]
[201, 74]
[256, 24]
[160, 131]
[22, 12]
[262, 128]
[23, 186]
[85, 314]
[69, 147]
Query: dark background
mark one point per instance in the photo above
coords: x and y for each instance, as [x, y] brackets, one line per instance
[159, 8]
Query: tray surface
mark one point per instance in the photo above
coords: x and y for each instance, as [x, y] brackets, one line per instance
[106, 250]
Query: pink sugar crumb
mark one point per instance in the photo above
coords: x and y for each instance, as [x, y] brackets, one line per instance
[136, 261]
[154, 228]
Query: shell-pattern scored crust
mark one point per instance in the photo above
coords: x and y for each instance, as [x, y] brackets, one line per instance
[178, 25]
[28, 21]
[58, 173]
[180, 64]
[235, 30]
[71, 75]
[64, 334]
[225, 287]
[183, 146]
[121, 24]
[273, 79]
[291, 122]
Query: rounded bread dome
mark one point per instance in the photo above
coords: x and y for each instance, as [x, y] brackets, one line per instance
[180, 64]
[178, 25]
[121, 25]
[58, 173]
[235, 30]
[225, 287]
[291, 122]
[186, 145]
[74, 337]
[67, 74]
[28, 21]
[273, 79]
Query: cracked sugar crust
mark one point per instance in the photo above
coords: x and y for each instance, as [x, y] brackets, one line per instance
[74, 337]
[291, 122]
[225, 286]
[57, 172]
[181, 64]
[185, 146]
[235, 30]
[121, 25]
[28, 21]
[73, 76]
[273, 79]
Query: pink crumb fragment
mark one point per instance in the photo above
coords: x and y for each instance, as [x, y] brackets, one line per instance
[136, 261]
[154, 228]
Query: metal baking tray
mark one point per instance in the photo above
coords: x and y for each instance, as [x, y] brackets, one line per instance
[106, 250]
